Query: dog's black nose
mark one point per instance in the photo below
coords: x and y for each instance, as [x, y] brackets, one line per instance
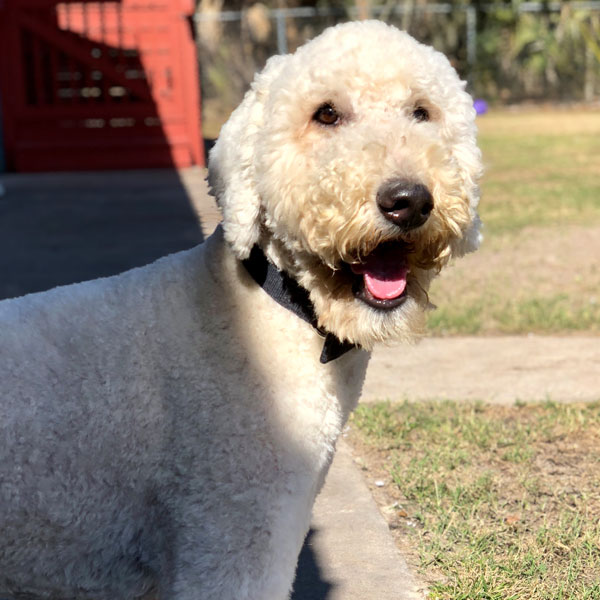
[405, 203]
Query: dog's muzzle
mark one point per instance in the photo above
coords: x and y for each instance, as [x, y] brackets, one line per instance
[405, 203]
[381, 278]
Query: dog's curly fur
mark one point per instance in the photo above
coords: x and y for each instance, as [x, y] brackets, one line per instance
[166, 431]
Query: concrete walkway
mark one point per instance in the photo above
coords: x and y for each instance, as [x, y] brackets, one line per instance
[501, 370]
[349, 544]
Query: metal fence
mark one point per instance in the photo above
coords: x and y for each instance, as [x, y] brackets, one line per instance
[506, 52]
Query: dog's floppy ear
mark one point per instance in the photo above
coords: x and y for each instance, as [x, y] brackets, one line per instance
[231, 165]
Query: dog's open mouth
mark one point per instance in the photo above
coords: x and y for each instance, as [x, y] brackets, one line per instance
[381, 279]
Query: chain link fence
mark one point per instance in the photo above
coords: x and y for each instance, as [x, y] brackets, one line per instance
[528, 51]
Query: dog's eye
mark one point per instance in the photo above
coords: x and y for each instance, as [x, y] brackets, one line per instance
[420, 114]
[326, 115]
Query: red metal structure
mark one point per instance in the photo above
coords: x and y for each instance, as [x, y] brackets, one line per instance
[99, 85]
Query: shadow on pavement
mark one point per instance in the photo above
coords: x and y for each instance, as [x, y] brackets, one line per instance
[62, 228]
[309, 583]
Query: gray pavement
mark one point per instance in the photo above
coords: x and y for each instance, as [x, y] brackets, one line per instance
[498, 370]
[61, 228]
[351, 543]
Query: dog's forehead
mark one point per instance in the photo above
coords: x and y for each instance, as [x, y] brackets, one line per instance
[369, 57]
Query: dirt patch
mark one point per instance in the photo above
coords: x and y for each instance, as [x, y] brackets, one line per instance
[541, 280]
[499, 370]
[542, 261]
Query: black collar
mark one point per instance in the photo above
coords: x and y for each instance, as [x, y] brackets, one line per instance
[286, 292]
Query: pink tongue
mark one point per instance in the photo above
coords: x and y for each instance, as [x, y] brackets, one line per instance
[385, 289]
[384, 272]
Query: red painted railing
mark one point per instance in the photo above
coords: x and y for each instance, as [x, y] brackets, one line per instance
[99, 85]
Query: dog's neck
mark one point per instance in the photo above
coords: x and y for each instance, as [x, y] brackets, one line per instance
[286, 292]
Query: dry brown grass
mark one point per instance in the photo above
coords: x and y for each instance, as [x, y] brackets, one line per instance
[536, 120]
[489, 502]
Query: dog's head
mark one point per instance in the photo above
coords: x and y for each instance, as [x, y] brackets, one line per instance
[353, 163]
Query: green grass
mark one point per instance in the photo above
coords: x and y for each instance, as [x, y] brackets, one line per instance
[535, 179]
[551, 314]
[540, 181]
[506, 500]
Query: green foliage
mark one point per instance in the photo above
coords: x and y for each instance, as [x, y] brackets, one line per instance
[540, 55]
[548, 54]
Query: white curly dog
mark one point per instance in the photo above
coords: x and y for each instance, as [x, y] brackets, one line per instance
[166, 431]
